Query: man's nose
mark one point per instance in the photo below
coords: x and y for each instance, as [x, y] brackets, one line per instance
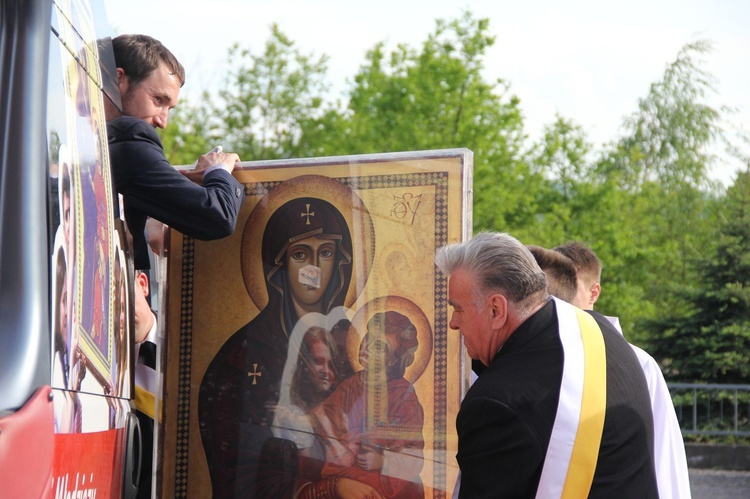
[453, 324]
[161, 119]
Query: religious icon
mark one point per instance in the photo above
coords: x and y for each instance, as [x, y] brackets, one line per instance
[313, 344]
[369, 429]
[307, 257]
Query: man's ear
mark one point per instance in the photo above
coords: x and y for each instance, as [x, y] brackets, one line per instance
[122, 80]
[141, 280]
[594, 293]
[499, 310]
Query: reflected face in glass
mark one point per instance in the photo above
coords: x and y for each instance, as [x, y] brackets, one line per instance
[63, 310]
[66, 215]
[319, 253]
[321, 367]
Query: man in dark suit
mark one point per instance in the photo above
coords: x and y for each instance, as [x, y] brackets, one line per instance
[149, 79]
[201, 203]
[562, 408]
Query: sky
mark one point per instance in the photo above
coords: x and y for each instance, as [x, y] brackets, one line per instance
[586, 60]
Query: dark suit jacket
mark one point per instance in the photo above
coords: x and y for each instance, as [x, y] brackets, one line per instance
[506, 419]
[151, 187]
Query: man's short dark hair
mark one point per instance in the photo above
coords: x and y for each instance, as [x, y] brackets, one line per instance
[141, 55]
[588, 266]
[560, 271]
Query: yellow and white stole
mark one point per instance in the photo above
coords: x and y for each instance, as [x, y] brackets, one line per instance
[146, 379]
[577, 432]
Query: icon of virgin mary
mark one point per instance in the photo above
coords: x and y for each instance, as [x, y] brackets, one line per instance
[307, 267]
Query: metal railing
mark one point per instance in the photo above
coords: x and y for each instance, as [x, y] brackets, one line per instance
[712, 409]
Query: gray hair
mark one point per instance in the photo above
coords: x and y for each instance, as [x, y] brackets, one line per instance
[500, 263]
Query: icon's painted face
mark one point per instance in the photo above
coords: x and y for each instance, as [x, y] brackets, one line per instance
[378, 352]
[372, 349]
[310, 263]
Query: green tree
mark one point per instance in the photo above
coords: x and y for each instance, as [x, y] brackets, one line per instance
[437, 98]
[187, 135]
[667, 139]
[579, 203]
[273, 105]
[660, 195]
[266, 99]
[562, 159]
[712, 341]
[644, 204]
[53, 144]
